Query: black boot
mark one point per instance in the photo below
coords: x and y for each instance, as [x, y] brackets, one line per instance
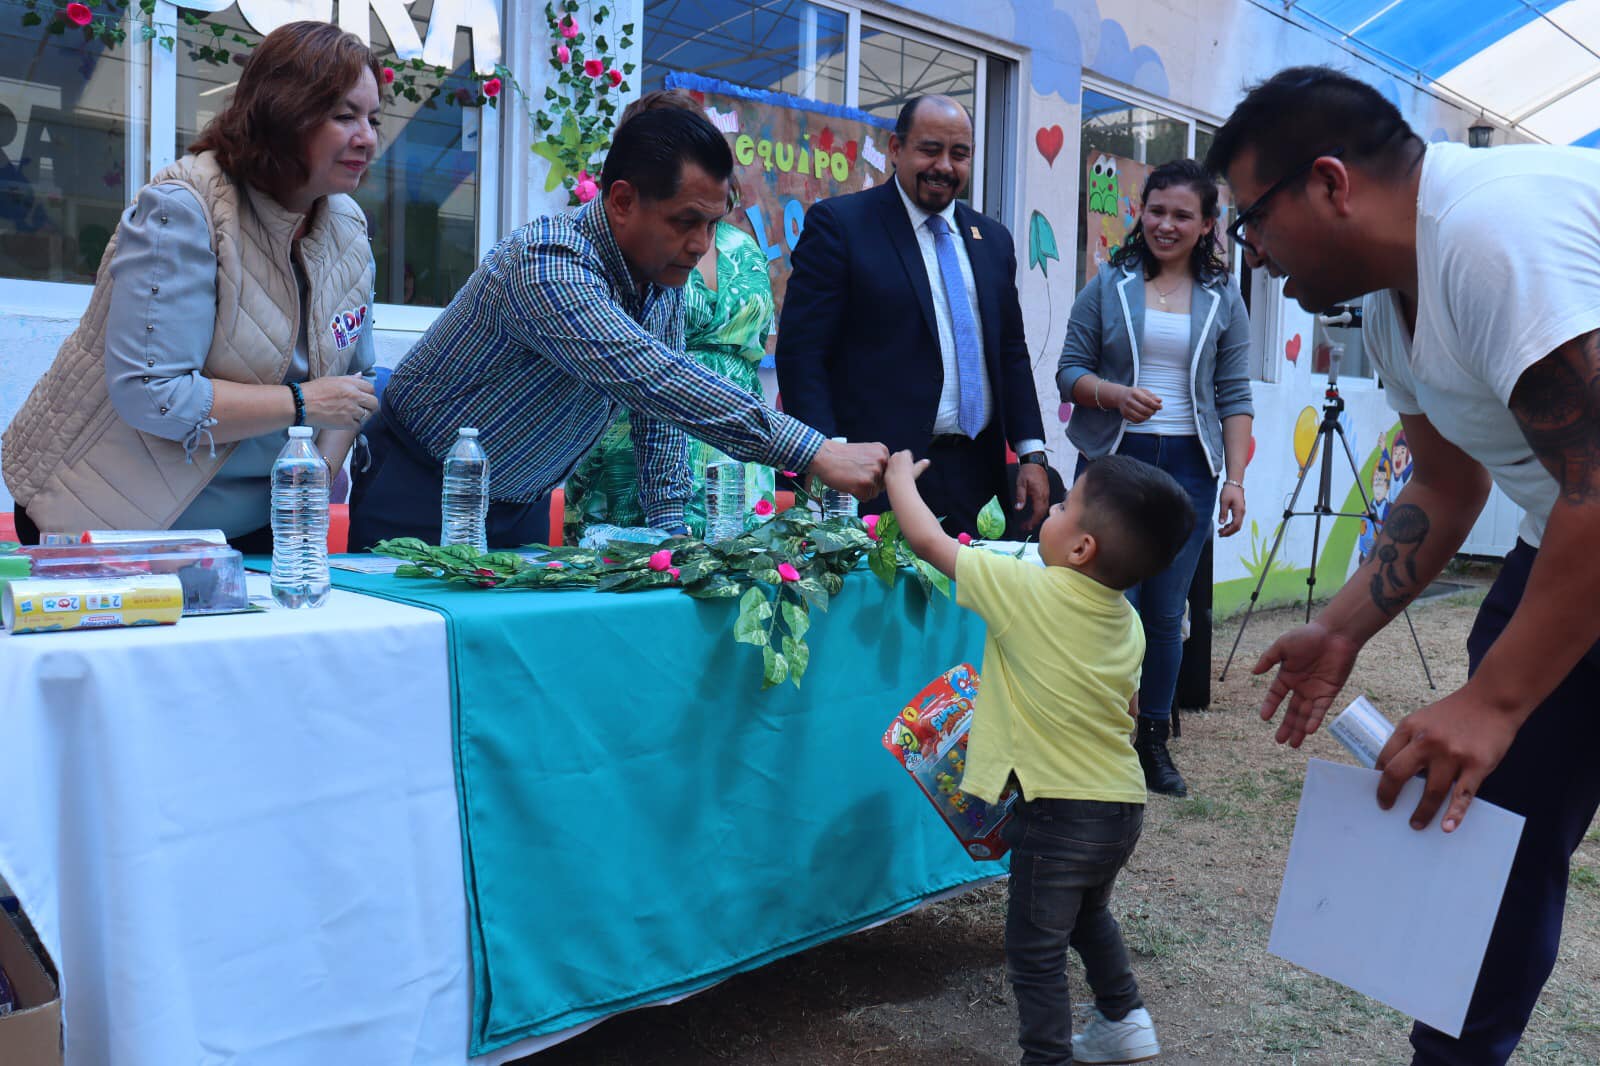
[1159, 773]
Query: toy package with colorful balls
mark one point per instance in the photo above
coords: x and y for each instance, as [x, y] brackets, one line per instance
[929, 738]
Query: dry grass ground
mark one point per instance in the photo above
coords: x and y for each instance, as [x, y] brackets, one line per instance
[1196, 905]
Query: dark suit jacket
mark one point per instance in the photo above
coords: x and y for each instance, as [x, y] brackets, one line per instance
[858, 345]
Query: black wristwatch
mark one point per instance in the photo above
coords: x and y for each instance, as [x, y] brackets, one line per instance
[1036, 458]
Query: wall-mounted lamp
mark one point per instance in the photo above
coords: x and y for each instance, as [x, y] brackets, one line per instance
[1480, 134]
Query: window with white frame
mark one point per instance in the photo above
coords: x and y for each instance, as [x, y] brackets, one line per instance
[831, 54]
[68, 150]
[75, 146]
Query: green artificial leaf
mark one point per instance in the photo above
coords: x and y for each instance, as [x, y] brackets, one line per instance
[413, 570]
[992, 520]
[558, 169]
[774, 668]
[832, 582]
[796, 618]
[812, 590]
[627, 27]
[798, 654]
[883, 562]
[1041, 243]
[751, 625]
[932, 576]
[31, 19]
[717, 588]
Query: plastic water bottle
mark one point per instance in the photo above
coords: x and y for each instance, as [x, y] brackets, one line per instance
[300, 523]
[836, 504]
[465, 505]
[725, 503]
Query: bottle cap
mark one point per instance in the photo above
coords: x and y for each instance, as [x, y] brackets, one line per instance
[466, 431]
[300, 431]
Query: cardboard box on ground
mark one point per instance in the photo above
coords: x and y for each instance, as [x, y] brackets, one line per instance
[31, 1034]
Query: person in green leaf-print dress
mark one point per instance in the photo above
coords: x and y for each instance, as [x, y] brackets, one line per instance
[725, 330]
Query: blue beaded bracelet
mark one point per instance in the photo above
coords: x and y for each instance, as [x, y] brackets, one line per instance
[299, 405]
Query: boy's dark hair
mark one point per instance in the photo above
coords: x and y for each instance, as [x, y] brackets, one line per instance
[1138, 515]
[1302, 113]
[1205, 260]
[650, 149]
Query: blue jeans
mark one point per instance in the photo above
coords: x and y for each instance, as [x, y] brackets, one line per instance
[1160, 600]
[1065, 856]
[1548, 776]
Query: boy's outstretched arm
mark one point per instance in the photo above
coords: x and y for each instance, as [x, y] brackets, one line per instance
[921, 529]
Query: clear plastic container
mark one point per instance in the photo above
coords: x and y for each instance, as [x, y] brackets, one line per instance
[836, 504]
[725, 500]
[300, 523]
[212, 575]
[464, 505]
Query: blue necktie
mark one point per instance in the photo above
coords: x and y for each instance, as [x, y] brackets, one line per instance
[969, 343]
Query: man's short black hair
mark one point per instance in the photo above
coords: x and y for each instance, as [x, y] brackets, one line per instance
[908, 115]
[1301, 113]
[649, 150]
[1139, 517]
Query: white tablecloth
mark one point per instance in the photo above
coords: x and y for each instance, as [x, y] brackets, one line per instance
[238, 837]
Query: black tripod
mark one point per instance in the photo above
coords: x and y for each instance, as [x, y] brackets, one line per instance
[1332, 407]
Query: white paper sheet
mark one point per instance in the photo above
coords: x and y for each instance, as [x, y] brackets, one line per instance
[1399, 915]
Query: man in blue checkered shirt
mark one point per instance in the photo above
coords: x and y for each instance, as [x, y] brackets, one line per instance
[564, 324]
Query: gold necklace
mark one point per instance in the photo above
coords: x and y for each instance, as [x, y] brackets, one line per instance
[1163, 295]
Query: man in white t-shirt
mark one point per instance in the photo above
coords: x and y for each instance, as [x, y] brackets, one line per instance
[1484, 322]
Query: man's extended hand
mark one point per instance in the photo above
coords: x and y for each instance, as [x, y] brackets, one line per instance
[1033, 492]
[1455, 743]
[853, 468]
[1313, 663]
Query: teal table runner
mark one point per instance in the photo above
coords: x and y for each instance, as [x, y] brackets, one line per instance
[639, 820]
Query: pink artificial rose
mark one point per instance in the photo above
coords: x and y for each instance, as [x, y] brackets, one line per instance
[788, 572]
[563, 54]
[763, 507]
[79, 14]
[593, 67]
[789, 473]
[603, 559]
[492, 87]
[615, 76]
[673, 572]
[586, 189]
[661, 561]
[871, 522]
[555, 566]
[569, 27]
[388, 75]
[964, 539]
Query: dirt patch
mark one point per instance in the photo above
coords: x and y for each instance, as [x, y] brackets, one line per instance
[1196, 906]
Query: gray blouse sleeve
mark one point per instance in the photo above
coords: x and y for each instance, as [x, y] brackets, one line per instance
[162, 316]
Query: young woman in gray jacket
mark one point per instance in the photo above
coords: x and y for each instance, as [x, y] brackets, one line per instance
[1156, 366]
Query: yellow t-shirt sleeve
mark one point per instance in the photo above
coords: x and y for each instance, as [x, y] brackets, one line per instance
[991, 585]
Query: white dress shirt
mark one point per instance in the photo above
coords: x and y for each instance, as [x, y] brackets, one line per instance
[948, 417]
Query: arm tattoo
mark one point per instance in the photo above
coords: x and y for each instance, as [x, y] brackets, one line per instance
[1394, 576]
[1557, 406]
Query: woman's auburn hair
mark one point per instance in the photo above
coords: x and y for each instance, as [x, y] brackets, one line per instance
[293, 80]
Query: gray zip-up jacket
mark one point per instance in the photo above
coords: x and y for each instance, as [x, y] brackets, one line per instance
[1103, 338]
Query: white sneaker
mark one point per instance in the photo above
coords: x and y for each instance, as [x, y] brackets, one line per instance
[1133, 1039]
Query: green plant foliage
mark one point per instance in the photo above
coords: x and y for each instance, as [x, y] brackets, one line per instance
[774, 611]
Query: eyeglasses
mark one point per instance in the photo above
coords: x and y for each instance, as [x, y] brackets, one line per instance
[1254, 214]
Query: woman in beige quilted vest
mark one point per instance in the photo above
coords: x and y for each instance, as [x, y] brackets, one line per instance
[234, 301]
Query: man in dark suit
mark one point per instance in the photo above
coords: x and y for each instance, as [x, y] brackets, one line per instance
[901, 324]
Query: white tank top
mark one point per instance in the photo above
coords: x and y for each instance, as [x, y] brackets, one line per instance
[1164, 370]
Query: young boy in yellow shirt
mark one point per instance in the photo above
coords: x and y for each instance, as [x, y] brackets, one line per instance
[1060, 679]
